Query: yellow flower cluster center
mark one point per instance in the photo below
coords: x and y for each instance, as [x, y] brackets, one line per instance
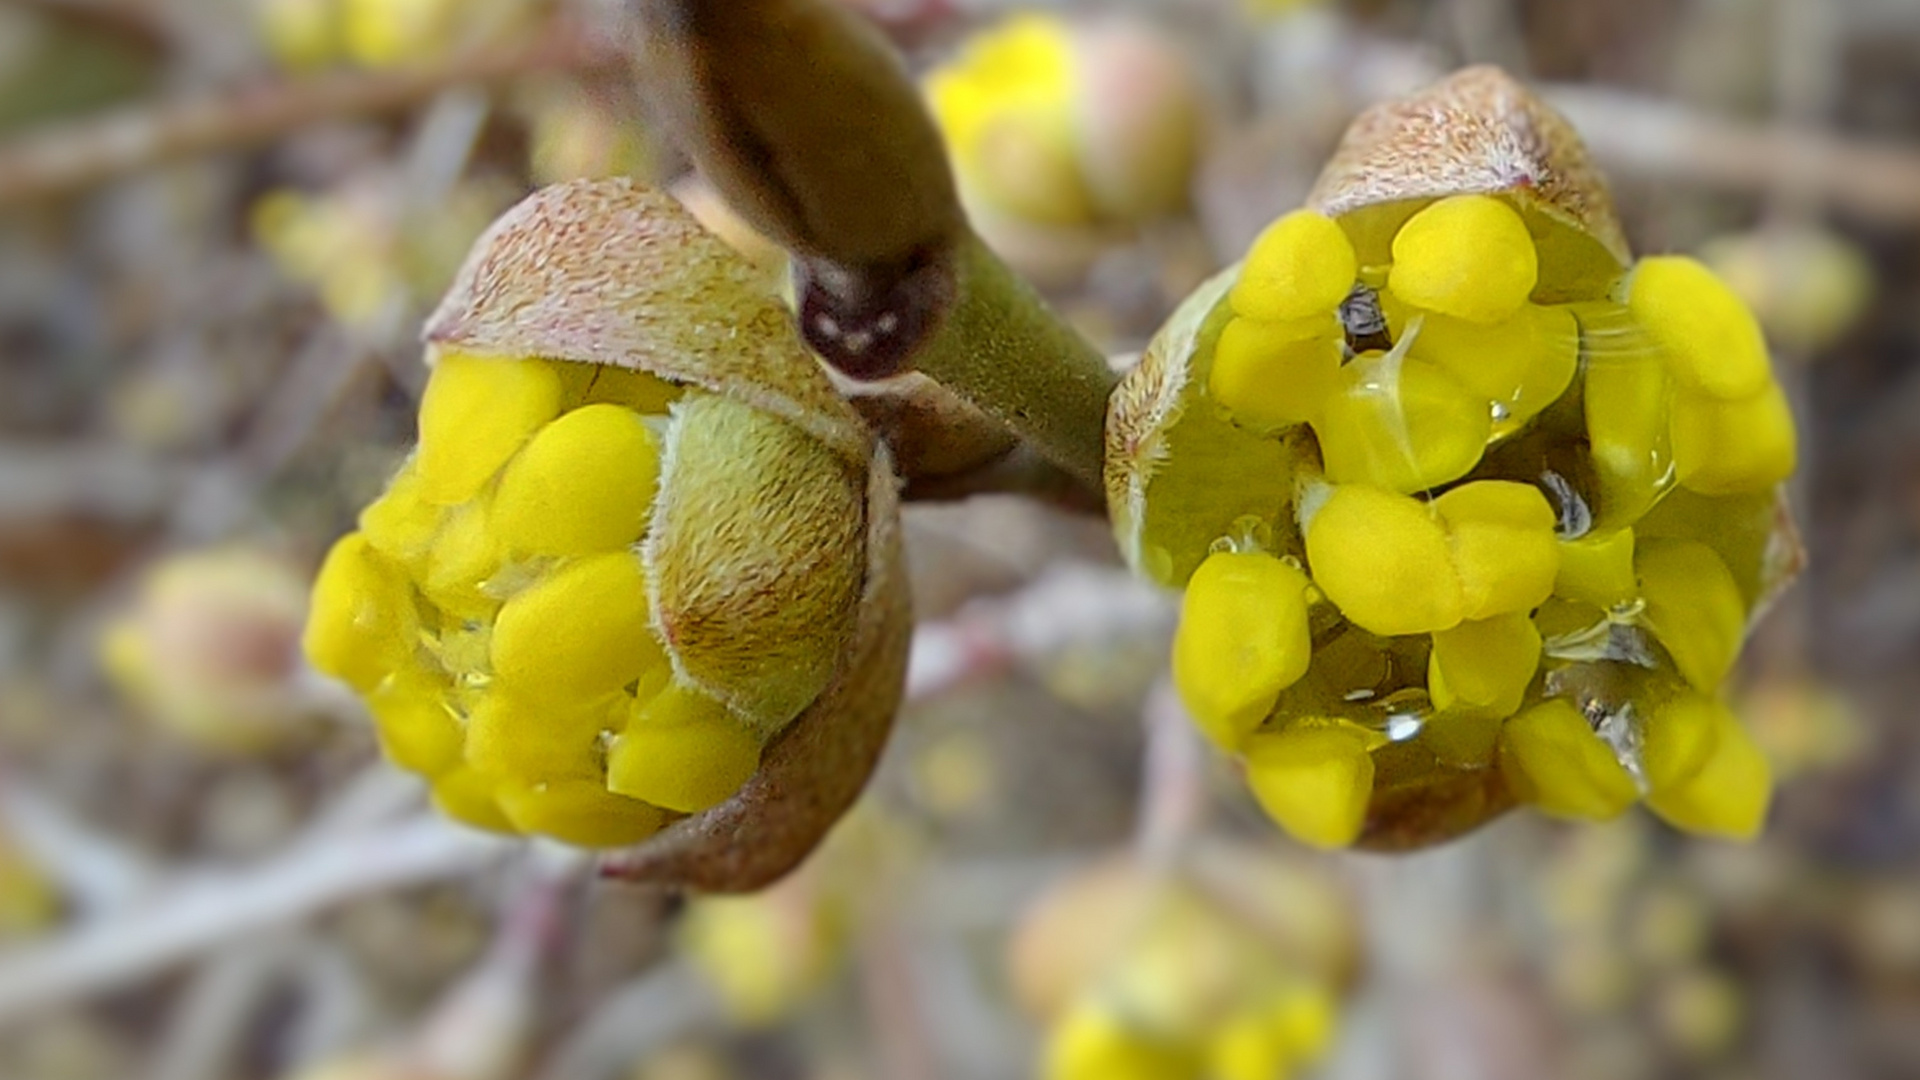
[1532, 543]
[493, 609]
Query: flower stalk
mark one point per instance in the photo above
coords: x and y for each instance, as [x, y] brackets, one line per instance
[805, 120]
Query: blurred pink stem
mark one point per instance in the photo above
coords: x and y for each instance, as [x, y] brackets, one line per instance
[1173, 779]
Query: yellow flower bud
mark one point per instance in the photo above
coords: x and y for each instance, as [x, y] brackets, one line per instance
[1468, 256]
[1269, 1040]
[362, 625]
[579, 632]
[1268, 375]
[1521, 364]
[1677, 739]
[1402, 424]
[1242, 639]
[387, 32]
[1522, 428]
[1733, 447]
[1093, 1043]
[1694, 607]
[1503, 546]
[1484, 666]
[417, 722]
[1232, 929]
[1598, 569]
[1711, 342]
[580, 812]
[1557, 763]
[1314, 780]
[683, 751]
[401, 524]
[584, 484]
[1248, 1047]
[473, 417]
[1628, 399]
[1728, 794]
[631, 557]
[468, 797]
[767, 955]
[1301, 267]
[1385, 561]
[1807, 284]
[1058, 123]
[208, 648]
[458, 575]
[523, 735]
[1005, 110]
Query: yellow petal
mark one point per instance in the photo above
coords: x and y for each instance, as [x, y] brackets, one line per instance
[580, 632]
[1467, 256]
[1712, 342]
[361, 626]
[1302, 265]
[1729, 794]
[683, 751]
[1307, 1018]
[1269, 376]
[1531, 350]
[1628, 396]
[1557, 333]
[1247, 1046]
[1503, 545]
[462, 563]
[585, 483]
[476, 413]
[1242, 639]
[1733, 447]
[1694, 607]
[1314, 781]
[537, 739]
[400, 524]
[1486, 665]
[1092, 1043]
[580, 812]
[467, 797]
[1401, 424]
[416, 723]
[1598, 569]
[1385, 562]
[1679, 736]
[1557, 763]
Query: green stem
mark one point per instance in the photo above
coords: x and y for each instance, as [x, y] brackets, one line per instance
[1002, 348]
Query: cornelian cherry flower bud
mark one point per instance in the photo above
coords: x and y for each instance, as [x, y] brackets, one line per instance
[1232, 967]
[209, 649]
[1063, 123]
[641, 572]
[1469, 508]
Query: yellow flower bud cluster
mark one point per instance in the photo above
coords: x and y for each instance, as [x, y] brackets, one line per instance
[1472, 529]
[495, 607]
[1139, 975]
[1058, 124]
[1272, 1037]
[208, 649]
[383, 33]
